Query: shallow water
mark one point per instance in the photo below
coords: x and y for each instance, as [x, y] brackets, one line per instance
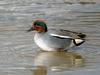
[17, 48]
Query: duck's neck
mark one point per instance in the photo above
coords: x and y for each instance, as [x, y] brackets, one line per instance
[40, 34]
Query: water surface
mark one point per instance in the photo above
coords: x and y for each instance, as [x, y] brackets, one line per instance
[17, 48]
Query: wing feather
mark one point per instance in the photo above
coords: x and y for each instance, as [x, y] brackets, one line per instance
[67, 34]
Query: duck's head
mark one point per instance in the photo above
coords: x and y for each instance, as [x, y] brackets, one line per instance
[39, 26]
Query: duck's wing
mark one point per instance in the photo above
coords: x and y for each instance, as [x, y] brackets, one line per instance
[67, 33]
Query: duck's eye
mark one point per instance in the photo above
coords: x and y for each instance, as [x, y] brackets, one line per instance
[39, 27]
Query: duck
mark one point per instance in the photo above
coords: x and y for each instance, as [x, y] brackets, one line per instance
[55, 39]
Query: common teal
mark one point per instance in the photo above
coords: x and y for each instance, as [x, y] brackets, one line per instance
[53, 39]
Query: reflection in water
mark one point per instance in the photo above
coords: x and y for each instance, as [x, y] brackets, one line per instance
[58, 59]
[41, 70]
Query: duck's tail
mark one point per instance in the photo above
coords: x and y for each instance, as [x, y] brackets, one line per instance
[79, 40]
[81, 35]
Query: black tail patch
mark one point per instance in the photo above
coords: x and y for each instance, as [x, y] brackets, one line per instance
[81, 35]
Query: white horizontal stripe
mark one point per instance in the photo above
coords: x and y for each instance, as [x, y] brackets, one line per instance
[60, 36]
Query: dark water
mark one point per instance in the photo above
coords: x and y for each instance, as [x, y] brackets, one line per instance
[17, 48]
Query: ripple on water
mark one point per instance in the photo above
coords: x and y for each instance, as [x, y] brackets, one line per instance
[17, 47]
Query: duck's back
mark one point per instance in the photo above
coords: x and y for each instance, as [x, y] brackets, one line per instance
[72, 34]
